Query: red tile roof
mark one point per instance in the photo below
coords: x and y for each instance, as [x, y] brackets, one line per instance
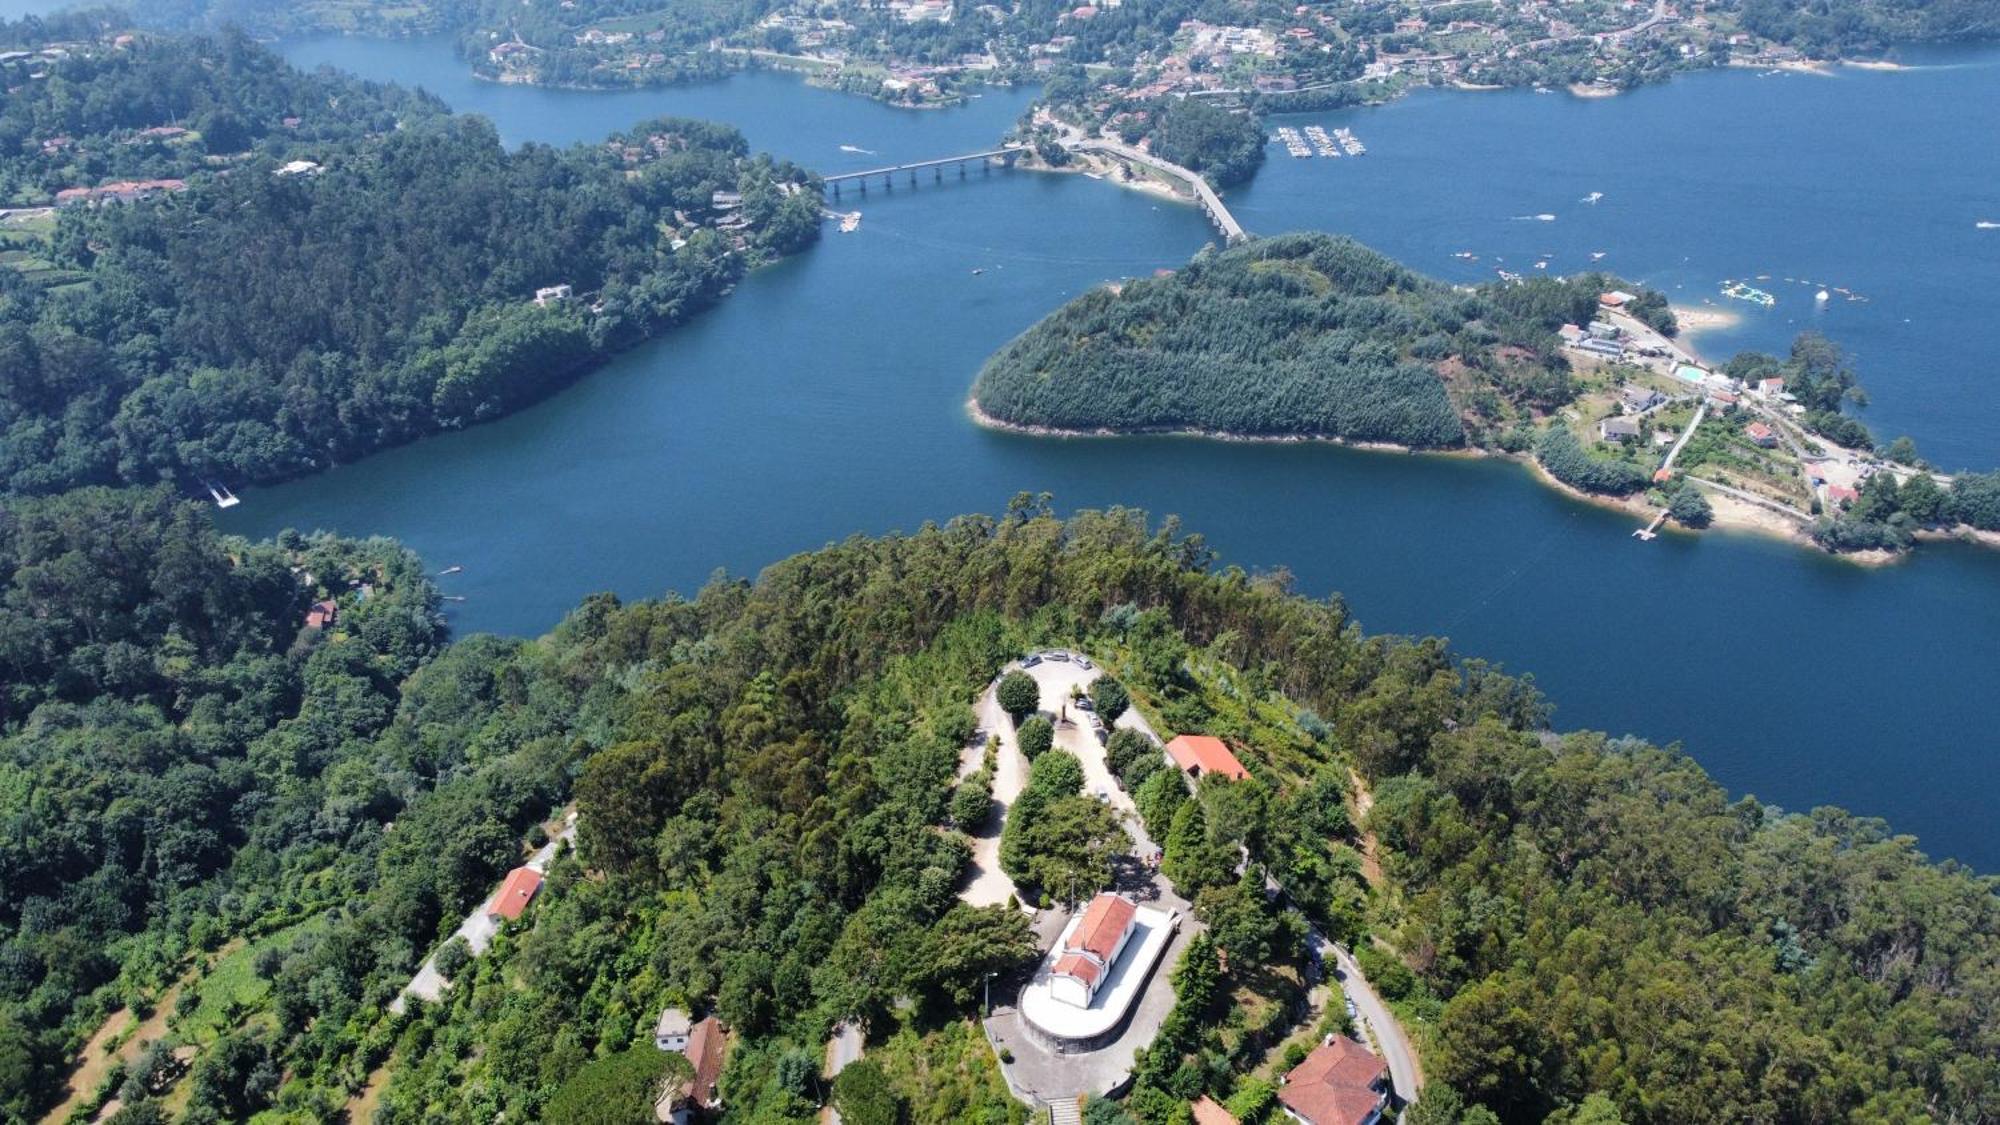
[1335, 1085]
[1207, 753]
[1758, 430]
[1078, 966]
[1105, 921]
[1206, 1112]
[704, 1050]
[516, 893]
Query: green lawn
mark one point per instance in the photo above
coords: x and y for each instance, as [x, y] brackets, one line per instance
[232, 992]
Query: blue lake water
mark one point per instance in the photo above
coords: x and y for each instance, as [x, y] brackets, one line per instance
[825, 398]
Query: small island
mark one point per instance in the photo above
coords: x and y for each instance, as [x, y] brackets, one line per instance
[1317, 337]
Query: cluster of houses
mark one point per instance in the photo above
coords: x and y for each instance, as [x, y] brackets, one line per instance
[122, 191]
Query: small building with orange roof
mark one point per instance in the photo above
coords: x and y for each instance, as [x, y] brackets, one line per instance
[1197, 754]
[515, 894]
[1207, 1111]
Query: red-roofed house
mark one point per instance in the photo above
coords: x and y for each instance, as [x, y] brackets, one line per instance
[1206, 1112]
[1091, 948]
[515, 894]
[1340, 1083]
[1760, 435]
[1197, 754]
[322, 614]
[1841, 494]
[704, 1051]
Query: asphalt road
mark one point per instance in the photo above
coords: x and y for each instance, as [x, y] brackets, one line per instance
[1404, 1074]
[478, 929]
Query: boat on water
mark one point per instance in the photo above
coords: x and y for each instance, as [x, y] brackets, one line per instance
[1822, 296]
[1986, 224]
[850, 222]
[1597, 255]
[858, 149]
[1593, 197]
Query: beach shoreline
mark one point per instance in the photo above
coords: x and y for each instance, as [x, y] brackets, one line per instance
[1106, 169]
[1696, 320]
[1731, 515]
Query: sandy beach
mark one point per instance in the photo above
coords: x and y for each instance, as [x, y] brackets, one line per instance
[1592, 90]
[1106, 169]
[1697, 319]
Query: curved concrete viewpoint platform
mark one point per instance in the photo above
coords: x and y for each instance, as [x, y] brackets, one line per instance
[1064, 1024]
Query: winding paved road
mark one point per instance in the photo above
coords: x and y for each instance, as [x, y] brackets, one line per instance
[1404, 1073]
[478, 928]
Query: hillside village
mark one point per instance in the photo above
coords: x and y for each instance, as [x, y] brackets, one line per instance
[1740, 436]
[1072, 1028]
[926, 52]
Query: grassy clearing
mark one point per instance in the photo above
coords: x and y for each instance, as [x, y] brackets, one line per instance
[231, 993]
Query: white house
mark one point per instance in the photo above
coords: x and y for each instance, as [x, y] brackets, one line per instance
[671, 1033]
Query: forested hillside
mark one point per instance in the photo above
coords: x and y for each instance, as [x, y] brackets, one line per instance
[329, 266]
[1837, 28]
[1299, 335]
[183, 761]
[288, 819]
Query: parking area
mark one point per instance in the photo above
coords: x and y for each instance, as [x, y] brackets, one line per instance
[1083, 733]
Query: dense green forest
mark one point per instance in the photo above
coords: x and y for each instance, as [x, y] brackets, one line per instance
[1304, 334]
[1225, 147]
[286, 819]
[182, 761]
[1838, 28]
[273, 319]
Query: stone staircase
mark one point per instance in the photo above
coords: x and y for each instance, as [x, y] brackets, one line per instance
[1068, 1111]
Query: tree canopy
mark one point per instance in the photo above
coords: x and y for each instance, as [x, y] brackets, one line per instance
[1307, 335]
[265, 319]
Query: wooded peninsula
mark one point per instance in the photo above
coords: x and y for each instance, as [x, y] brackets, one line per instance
[1316, 337]
[221, 269]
